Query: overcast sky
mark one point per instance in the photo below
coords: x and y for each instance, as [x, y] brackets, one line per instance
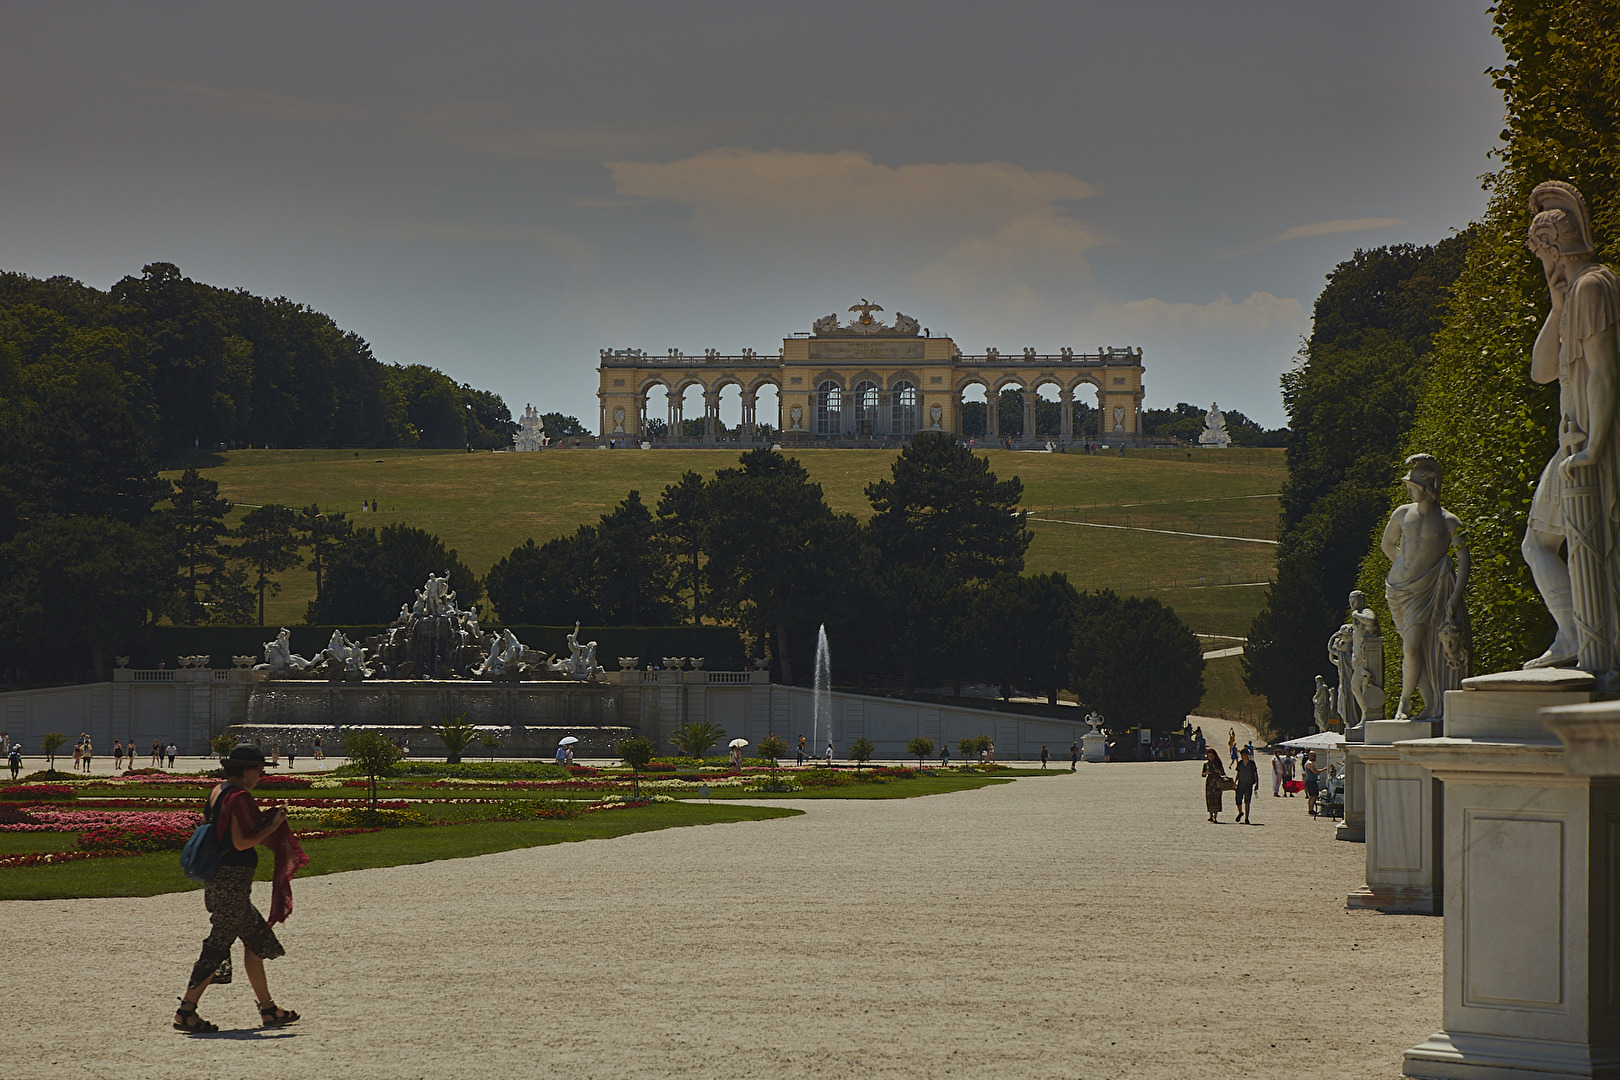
[501, 190]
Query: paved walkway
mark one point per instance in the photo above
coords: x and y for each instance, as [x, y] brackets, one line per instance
[1082, 925]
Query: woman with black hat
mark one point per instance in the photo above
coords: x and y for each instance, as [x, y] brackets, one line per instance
[240, 826]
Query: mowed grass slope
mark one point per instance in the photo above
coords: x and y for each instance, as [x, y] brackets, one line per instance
[484, 504]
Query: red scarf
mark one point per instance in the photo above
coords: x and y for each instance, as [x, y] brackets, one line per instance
[246, 819]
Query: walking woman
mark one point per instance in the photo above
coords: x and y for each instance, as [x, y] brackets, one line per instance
[1248, 778]
[1214, 782]
[240, 826]
[1313, 782]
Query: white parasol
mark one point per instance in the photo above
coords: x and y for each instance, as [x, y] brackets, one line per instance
[567, 740]
[1322, 740]
[734, 743]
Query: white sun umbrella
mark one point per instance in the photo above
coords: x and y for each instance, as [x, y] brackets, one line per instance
[1322, 740]
[737, 742]
[567, 740]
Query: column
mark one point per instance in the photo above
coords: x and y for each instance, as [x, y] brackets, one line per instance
[1066, 415]
[674, 417]
[748, 416]
[1029, 415]
[992, 415]
[711, 417]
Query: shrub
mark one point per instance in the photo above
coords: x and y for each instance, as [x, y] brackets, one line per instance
[694, 738]
[221, 744]
[860, 751]
[365, 817]
[373, 753]
[51, 743]
[49, 775]
[635, 753]
[772, 747]
[37, 793]
[490, 741]
[971, 747]
[822, 778]
[468, 770]
[778, 786]
[456, 734]
[920, 748]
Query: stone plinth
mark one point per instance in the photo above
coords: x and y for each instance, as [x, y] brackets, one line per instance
[1401, 823]
[1093, 746]
[1532, 894]
[1353, 826]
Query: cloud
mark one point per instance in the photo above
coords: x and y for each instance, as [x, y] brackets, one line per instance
[1258, 314]
[980, 232]
[492, 128]
[1329, 228]
[260, 102]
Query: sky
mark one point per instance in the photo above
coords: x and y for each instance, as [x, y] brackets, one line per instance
[501, 190]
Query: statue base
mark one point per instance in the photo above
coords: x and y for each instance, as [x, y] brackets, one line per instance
[1401, 823]
[1093, 746]
[1532, 896]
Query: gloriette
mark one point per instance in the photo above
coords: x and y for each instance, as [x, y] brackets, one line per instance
[864, 381]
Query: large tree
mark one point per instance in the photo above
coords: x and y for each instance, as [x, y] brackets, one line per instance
[268, 543]
[778, 555]
[370, 573]
[944, 510]
[1024, 633]
[196, 518]
[1135, 661]
[683, 522]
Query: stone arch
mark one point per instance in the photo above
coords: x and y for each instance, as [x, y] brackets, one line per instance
[971, 380]
[1094, 381]
[865, 375]
[1045, 378]
[726, 380]
[646, 385]
[903, 377]
[762, 381]
[686, 382]
[1006, 379]
[832, 377]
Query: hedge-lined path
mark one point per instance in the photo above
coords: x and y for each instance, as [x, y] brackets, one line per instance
[1084, 925]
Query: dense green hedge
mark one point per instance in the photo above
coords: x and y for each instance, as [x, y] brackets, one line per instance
[720, 646]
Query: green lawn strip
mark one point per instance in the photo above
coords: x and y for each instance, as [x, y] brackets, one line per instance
[27, 843]
[149, 875]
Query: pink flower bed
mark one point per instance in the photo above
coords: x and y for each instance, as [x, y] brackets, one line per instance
[50, 820]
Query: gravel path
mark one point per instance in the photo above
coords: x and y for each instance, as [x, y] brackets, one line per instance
[1085, 925]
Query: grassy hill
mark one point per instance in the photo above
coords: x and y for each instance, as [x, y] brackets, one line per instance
[484, 504]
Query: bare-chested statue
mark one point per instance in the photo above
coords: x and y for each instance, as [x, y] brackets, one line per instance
[1577, 500]
[1425, 597]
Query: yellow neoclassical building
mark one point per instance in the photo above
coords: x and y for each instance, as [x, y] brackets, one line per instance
[865, 382]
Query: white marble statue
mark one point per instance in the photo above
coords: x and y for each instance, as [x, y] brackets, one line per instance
[1214, 435]
[1366, 661]
[1425, 596]
[1322, 704]
[1577, 499]
[346, 656]
[435, 599]
[935, 414]
[1119, 418]
[1340, 646]
[279, 657]
[531, 433]
[581, 661]
[905, 324]
[505, 654]
[827, 324]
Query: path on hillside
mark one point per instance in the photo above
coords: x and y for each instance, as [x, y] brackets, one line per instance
[1161, 532]
[1090, 924]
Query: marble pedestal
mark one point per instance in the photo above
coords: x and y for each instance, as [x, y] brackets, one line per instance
[1353, 826]
[1401, 821]
[1093, 746]
[1532, 901]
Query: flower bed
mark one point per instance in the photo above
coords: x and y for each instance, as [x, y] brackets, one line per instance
[364, 818]
[16, 815]
[37, 793]
[52, 820]
[142, 837]
[272, 783]
[46, 858]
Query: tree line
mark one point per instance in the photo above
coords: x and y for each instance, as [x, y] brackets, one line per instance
[192, 365]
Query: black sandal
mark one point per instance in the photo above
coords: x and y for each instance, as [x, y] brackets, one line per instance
[190, 1022]
[270, 1016]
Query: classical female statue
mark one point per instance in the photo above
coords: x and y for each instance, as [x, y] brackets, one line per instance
[1425, 596]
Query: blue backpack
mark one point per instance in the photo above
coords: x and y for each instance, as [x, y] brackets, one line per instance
[199, 859]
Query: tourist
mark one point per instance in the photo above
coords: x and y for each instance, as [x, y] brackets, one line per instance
[1290, 785]
[1044, 757]
[172, 752]
[1248, 778]
[1074, 755]
[320, 755]
[736, 758]
[118, 755]
[241, 826]
[14, 759]
[78, 753]
[5, 743]
[1276, 775]
[157, 753]
[945, 756]
[801, 750]
[1231, 744]
[1313, 782]
[992, 753]
[275, 754]
[1214, 783]
[829, 754]
[89, 752]
[561, 751]
[292, 754]
[568, 757]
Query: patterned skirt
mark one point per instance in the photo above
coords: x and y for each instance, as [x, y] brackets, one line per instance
[1212, 793]
[228, 896]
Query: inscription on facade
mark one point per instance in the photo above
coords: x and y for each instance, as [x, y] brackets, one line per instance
[866, 350]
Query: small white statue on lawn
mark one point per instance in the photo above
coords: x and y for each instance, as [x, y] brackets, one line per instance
[1214, 436]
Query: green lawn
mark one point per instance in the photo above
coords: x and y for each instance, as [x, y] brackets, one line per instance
[886, 789]
[483, 505]
[149, 875]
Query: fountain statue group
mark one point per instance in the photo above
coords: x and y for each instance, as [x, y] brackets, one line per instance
[432, 638]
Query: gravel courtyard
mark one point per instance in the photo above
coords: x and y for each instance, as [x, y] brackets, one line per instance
[1085, 925]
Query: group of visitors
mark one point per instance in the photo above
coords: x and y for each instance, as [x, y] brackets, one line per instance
[370, 508]
[1286, 764]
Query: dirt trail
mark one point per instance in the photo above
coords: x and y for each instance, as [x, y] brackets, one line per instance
[1082, 925]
